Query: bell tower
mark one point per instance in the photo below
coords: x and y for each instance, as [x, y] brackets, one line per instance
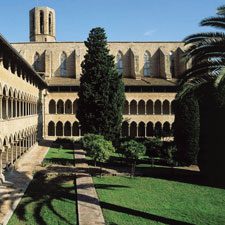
[42, 24]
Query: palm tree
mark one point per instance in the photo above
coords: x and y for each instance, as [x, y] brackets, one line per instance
[205, 80]
[206, 51]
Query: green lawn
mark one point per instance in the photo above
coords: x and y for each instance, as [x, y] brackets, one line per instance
[47, 201]
[145, 200]
[50, 198]
[59, 156]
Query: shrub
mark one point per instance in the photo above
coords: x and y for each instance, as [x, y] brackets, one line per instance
[154, 147]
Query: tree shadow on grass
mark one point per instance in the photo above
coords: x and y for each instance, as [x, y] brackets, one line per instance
[149, 216]
[42, 191]
[58, 161]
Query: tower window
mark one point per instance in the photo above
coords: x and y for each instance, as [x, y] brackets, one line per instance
[146, 64]
[50, 23]
[37, 62]
[119, 64]
[63, 64]
[42, 22]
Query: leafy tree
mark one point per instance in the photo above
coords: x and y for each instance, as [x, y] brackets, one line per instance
[101, 92]
[97, 148]
[133, 151]
[187, 129]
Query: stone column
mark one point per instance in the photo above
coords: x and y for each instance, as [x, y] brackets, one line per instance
[128, 108]
[15, 67]
[145, 108]
[2, 178]
[146, 130]
[128, 130]
[137, 109]
[161, 108]
[170, 104]
[20, 142]
[23, 145]
[153, 109]
[22, 107]
[9, 66]
[16, 143]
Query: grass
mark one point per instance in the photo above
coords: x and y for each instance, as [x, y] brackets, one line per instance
[59, 156]
[47, 201]
[50, 198]
[145, 200]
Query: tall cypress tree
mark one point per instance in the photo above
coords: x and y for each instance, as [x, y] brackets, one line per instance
[101, 93]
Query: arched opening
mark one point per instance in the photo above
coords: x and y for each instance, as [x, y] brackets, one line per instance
[133, 129]
[75, 129]
[166, 129]
[141, 129]
[119, 62]
[60, 107]
[149, 107]
[157, 107]
[41, 22]
[4, 103]
[150, 129]
[141, 107]
[158, 129]
[75, 107]
[67, 129]
[133, 107]
[166, 106]
[172, 65]
[173, 107]
[36, 62]
[52, 108]
[63, 65]
[68, 107]
[59, 129]
[125, 127]
[51, 128]
[146, 64]
[125, 108]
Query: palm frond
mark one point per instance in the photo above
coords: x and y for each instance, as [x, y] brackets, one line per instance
[221, 10]
[218, 22]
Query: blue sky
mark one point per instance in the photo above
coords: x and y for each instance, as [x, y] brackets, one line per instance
[123, 20]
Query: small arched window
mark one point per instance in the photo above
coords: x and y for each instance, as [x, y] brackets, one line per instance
[42, 22]
[172, 68]
[119, 64]
[37, 62]
[63, 64]
[50, 23]
[146, 64]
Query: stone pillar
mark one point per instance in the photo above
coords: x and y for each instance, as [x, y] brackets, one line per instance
[170, 108]
[23, 145]
[161, 108]
[16, 143]
[15, 67]
[22, 107]
[128, 130]
[9, 66]
[128, 108]
[145, 108]
[20, 142]
[77, 63]
[0, 107]
[137, 109]
[153, 109]
[146, 130]
[2, 178]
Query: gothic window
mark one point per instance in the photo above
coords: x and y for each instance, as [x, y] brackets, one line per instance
[172, 70]
[146, 64]
[37, 62]
[119, 64]
[63, 64]
[42, 22]
[50, 23]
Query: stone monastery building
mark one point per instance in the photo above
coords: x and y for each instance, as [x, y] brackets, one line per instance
[39, 81]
